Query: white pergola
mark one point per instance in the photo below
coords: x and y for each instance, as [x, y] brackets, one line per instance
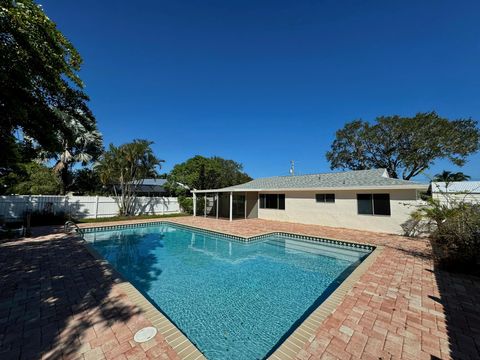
[205, 192]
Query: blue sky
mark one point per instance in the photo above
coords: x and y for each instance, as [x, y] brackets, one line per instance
[265, 82]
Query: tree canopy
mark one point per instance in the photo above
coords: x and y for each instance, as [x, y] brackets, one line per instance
[83, 146]
[206, 173]
[33, 179]
[125, 167]
[86, 181]
[448, 176]
[39, 83]
[405, 146]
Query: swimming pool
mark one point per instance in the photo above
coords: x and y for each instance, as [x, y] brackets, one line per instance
[232, 299]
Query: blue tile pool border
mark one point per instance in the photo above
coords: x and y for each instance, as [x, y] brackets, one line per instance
[241, 239]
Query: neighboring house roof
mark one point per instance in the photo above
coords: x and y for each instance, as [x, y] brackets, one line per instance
[360, 179]
[151, 185]
[160, 182]
[456, 187]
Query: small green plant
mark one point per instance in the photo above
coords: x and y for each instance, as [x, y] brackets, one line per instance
[186, 203]
[454, 231]
[456, 241]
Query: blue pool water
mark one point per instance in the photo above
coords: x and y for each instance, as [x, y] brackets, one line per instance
[232, 300]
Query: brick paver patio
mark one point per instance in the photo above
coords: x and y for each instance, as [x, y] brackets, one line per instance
[57, 301]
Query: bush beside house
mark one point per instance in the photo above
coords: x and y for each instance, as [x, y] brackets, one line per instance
[454, 232]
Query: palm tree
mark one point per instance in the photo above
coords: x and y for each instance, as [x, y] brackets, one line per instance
[80, 145]
[448, 176]
[126, 166]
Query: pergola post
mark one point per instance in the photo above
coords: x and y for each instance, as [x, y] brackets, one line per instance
[231, 205]
[205, 205]
[217, 205]
[194, 204]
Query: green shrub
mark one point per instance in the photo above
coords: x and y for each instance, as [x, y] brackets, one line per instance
[454, 231]
[186, 203]
[456, 241]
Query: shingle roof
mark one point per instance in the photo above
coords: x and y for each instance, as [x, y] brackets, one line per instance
[151, 185]
[457, 187]
[375, 178]
[154, 181]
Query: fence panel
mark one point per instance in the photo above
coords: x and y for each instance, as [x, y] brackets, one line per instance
[14, 206]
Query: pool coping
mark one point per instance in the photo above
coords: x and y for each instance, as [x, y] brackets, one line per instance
[292, 345]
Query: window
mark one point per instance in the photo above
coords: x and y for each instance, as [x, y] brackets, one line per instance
[373, 204]
[364, 203]
[325, 198]
[272, 201]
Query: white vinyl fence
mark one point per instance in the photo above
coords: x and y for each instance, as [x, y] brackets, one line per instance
[14, 206]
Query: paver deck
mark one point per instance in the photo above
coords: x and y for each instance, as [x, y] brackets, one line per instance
[57, 301]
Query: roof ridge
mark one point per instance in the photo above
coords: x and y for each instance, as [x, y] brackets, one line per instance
[344, 179]
[322, 173]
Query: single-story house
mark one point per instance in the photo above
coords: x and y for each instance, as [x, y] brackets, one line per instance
[363, 199]
[150, 187]
[454, 191]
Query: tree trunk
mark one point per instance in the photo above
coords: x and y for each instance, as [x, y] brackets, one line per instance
[65, 179]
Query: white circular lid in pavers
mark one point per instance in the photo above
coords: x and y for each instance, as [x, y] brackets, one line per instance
[145, 334]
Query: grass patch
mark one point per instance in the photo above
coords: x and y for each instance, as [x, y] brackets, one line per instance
[123, 218]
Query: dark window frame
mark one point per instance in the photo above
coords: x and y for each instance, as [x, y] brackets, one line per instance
[328, 198]
[266, 201]
[379, 204]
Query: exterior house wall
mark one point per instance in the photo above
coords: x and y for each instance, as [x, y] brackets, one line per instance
[301, 207]
[252, 204]
[445, 198]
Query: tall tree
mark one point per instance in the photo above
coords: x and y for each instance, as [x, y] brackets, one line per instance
[39, 81]
[448, 176]
[87, 181]
[405, 146]
[124, 167]
[206, 173]
[85, 146]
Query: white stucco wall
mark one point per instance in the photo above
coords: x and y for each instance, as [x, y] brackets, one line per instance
[301, 207]
[473, 198]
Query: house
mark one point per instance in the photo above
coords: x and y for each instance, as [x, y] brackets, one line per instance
[363, 199]
[455, 191]
[151, 187]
